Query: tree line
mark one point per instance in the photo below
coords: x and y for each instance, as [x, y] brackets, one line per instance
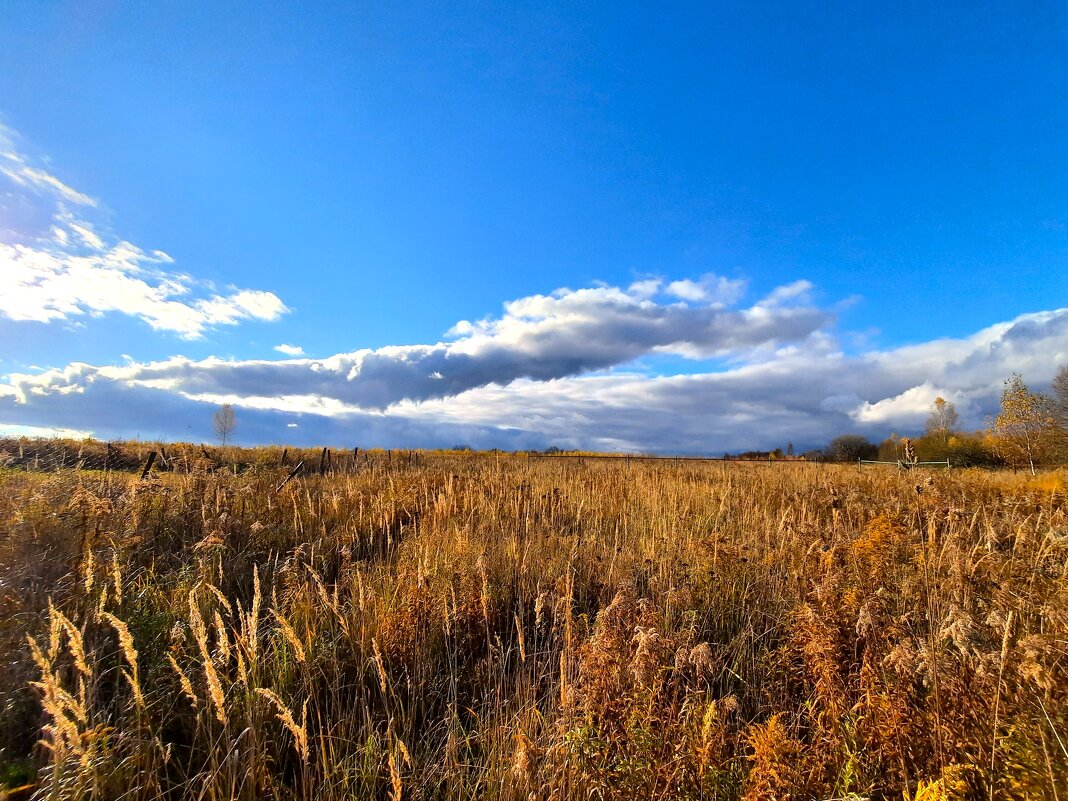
[1029, 430]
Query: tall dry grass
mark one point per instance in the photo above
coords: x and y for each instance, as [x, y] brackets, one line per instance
[488, 627]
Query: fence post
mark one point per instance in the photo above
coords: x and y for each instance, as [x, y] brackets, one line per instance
[324, 460]
[287, 479]
[148, 464]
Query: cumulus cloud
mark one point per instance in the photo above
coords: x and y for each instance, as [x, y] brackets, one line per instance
[110, 409]
[542, 337]
[290, 350]
[59, 266]
[805, 395]
[914, 405]
[553, 369]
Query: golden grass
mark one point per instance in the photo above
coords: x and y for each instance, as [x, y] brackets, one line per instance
[479, 626]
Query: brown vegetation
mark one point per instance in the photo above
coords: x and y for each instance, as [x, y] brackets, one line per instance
[473, 626]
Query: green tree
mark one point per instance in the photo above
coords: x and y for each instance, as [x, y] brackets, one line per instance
[1025, 429]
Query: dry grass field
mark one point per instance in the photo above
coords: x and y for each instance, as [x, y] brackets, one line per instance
[479, 626]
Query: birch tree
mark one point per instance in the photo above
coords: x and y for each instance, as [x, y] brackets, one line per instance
[1025, 428]
[943, 419]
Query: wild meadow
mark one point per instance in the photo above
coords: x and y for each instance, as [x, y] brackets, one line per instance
[473, 626]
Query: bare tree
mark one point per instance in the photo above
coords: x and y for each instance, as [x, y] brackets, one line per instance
[851, 447]
[225, 422]
[1060, 411]
[1060, 396]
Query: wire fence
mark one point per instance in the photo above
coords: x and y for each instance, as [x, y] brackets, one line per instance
[628, 458]
[54, 455]
[51, 455]
[48, 455]
[148, 458]
[903, 465]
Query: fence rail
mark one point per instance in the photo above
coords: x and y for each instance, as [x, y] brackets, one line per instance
[48, 455]
[907, 465]
[147, 458]
[624, 457]
[52, 455]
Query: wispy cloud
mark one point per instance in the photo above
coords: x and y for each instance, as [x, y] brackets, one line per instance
[15, 166]
[42, 431]
[713, 289]
[70, 267]
[290, 350]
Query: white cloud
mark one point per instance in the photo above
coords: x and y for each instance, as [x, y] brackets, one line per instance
[14, 165]
[46, 432]
[645, 288]
[542, 337]
[290, 350]
[714, 289]
[912, 405]
[552, 370]
[805, 395]
[795, 291]
[68, 268]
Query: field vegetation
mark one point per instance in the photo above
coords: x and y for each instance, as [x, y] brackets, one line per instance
[492, 626]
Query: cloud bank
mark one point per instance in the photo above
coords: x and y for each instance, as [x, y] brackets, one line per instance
[55, 264]
[541, 338]
[568, 368]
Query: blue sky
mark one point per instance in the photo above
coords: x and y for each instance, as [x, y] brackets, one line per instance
[377, 173]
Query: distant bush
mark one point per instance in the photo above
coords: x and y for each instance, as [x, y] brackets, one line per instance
[851, 447]
[962, 450]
